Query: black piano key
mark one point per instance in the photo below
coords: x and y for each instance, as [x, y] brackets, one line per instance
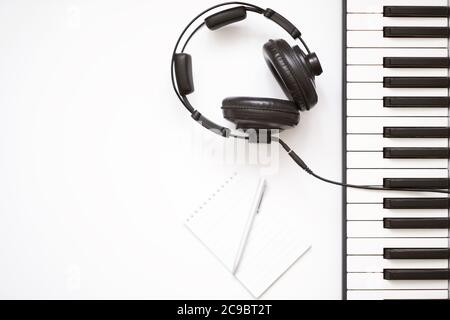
[416, 274]
[416, 102]
[416, 183]
[416, 11]
[416, 32]
[416, 203]
[415, 223]
[416, 253]
[416, 62]
[416, 153]
[416, 132]
[416, 82]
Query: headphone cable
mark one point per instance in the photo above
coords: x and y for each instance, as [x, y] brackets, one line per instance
[299, 161]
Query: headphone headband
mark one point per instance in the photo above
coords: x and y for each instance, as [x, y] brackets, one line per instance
[181, 64]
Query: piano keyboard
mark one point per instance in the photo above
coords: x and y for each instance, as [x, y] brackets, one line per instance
[396, 135]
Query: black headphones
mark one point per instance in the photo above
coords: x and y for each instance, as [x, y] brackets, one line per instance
[294, 69]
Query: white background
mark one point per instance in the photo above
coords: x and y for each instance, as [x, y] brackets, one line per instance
[99, 163]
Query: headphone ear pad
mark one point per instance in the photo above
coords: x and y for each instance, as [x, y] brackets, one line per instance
[289, 68]
[260, 113]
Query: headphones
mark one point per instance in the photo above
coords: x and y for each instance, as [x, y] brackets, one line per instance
[293, 68]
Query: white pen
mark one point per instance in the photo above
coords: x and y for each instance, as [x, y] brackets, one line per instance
[251, 217]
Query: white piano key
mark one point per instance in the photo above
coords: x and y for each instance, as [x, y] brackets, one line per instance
[377, 22]
[375, 177]
[397, 294]
[369, 196]
[375, 160]
[375, 125]
[375, 39]
[375, 281]
[374, 56]
[376, 6]
[377, 73]
[375, 211]
[378, 264]
[376, 142]
[375, 229]
[372, 246]
[375, 108]
[357, 90]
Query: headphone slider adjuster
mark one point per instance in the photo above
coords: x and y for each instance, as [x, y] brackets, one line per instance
[282, 22]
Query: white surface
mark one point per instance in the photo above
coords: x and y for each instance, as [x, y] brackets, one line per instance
[99, 163]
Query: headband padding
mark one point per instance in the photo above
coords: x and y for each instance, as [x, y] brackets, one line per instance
[260, 113]
[291, 73]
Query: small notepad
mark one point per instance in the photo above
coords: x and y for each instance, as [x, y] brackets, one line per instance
[276, 241]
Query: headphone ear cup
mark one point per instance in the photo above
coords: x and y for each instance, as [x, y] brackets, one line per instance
[290, 69]
[260, 113]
